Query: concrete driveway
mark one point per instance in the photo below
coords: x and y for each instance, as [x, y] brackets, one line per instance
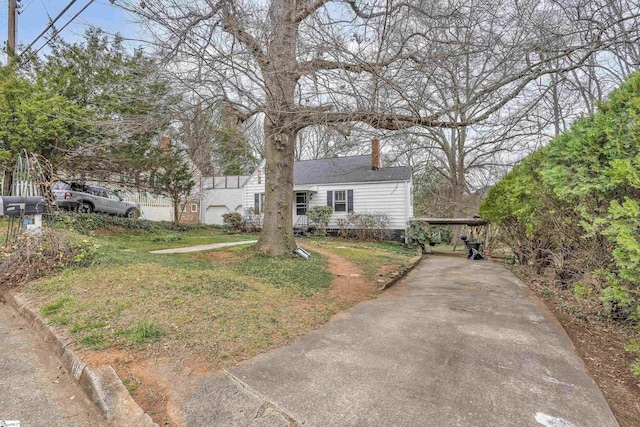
[458, 343]
[34, 389]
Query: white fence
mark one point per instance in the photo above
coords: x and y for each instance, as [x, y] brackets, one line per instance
[154, 207]
[146, 199]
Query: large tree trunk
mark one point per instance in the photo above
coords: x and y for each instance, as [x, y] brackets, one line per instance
[459, 183]
[280, 130]
[277, 230]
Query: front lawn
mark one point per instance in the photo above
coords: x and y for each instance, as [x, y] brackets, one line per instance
[222, 306]
[226, 305]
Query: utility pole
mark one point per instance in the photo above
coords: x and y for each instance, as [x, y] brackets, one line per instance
[11, 38]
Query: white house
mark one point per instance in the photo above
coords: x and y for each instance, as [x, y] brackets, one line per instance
[347, 184]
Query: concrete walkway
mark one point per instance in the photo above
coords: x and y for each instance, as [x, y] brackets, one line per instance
[458, 343]
[201, 248]
[34, 388]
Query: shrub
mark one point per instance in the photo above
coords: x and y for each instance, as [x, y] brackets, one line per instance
[88, 223]
[252, 221]
[36, 255]
[421, 234]
[320, 215]
[417, 234]
[634, 347]
[365, 226]
[574, 205]
[232, 221]
[343, 228]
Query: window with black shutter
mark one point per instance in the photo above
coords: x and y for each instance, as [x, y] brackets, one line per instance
[258, 202]
[340, 201]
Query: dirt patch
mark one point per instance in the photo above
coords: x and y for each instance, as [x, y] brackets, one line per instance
[349, 286]
[602, 349]
[600, 343]
[138, 374]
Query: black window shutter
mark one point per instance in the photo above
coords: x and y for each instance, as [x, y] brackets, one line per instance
[349, 200]
[330, 198]
[256, 201]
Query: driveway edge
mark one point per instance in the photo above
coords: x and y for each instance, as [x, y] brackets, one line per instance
[402, 272]
[102, 385]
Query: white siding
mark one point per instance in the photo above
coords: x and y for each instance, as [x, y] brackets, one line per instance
[255, 184]
[388, 198]
[216, 202]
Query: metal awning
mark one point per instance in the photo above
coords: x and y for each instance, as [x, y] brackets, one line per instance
[310, 188]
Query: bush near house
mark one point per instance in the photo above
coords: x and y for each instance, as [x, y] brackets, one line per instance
[364, 226]
[320, 216]
[573, 207]
[252, 221]
[232, 221]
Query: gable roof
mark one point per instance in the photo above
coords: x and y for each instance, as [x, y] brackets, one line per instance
[345, 169]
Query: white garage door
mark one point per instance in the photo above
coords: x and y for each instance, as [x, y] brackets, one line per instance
[213, 214]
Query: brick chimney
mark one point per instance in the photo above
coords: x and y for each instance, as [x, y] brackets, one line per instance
[165, 144]
[375, 153]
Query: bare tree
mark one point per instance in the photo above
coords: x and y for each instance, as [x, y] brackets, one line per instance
[302, 63]
[197, 132]
[468, 158]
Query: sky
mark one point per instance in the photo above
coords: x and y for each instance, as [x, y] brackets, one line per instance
[35, 15]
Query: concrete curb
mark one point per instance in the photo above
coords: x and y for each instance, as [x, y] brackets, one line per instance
[102, 385]
[402, 273]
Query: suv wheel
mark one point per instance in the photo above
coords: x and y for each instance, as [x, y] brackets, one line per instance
[133, 214]
[84, 207]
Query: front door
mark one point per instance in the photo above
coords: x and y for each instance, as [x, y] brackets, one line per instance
[300, 212]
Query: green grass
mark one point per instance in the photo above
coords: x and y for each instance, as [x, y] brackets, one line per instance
[95, 341]
[143, 332]
[149, 241]
[131, 384]
[288, 271]
[56, 306]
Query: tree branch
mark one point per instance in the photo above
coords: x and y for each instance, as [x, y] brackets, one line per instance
[308, 9]
[233, 27]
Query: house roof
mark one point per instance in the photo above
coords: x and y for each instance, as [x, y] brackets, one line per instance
[345, 169]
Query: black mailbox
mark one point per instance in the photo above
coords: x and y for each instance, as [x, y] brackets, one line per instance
[16, 205]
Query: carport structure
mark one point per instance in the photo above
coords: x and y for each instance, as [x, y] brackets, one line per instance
[477, 226]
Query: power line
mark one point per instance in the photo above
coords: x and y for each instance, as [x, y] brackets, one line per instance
[51, 24]
[59, 31]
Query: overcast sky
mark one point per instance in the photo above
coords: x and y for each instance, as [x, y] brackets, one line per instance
[35, 15]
